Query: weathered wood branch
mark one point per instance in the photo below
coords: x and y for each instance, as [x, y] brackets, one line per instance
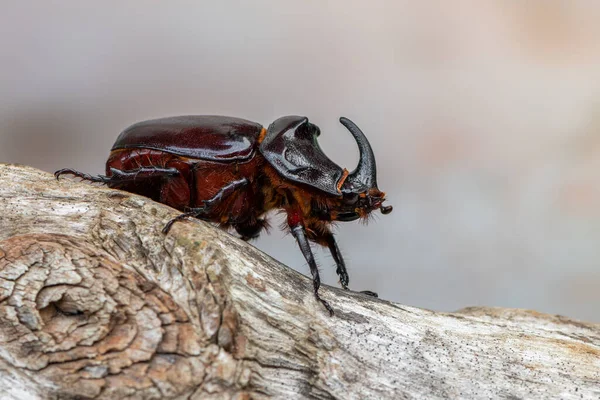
[95, 302]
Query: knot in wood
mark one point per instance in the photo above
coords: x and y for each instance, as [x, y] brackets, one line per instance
[93, 327]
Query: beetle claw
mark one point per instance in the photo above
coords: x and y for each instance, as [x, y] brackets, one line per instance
[190, 212]
[369, 293]
[327, 306]
[168, 226]
[180, 217]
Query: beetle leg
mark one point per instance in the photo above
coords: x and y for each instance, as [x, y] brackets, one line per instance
[180, 217]
[300, 234]
[225, 192]
[120, 176]
[222, 194]
[85, 177]
[341, 265]
[339, 260]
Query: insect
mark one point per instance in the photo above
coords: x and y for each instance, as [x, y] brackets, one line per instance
[232, 172]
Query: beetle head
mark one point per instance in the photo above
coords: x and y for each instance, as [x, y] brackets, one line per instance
[291, 147]
[359, 190]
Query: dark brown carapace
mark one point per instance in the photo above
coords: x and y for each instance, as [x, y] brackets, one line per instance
[232, 172]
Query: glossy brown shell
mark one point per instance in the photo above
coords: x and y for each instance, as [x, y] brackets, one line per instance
[204, 137]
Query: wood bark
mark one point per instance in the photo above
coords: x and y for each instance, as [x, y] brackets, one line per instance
[95, 302]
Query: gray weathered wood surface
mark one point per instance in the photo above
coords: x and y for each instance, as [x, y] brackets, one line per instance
[95, 302]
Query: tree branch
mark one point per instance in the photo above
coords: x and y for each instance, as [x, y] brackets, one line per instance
[95, 302]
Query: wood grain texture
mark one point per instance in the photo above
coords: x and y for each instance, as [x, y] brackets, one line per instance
[95, 302]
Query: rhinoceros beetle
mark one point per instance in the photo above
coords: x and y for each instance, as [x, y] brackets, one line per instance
[232, 172]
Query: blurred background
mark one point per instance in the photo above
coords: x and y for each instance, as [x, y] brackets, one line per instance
[484, 117]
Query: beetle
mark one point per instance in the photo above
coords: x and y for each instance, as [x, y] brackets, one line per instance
[232, 171]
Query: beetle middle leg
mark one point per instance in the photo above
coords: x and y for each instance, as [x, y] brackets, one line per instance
[222, 194]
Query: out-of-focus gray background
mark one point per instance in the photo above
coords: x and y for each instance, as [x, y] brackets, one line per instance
[484, 116]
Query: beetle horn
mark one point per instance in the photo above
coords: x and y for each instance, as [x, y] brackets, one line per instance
[365, 173]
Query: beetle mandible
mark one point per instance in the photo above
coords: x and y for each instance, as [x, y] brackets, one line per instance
[232, 171]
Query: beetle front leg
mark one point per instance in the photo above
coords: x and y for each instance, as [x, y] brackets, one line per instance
[300, 234]
[221, 195]
[341, 270]
[341, 265]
